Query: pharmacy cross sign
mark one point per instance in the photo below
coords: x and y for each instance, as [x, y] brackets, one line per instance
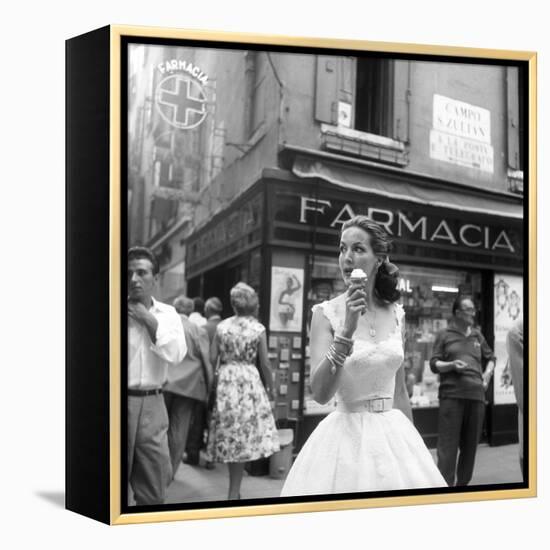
[181, 101]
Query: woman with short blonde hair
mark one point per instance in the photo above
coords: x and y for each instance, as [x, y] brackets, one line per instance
[242, 427]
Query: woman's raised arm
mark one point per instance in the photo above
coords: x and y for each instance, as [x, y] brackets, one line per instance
[324, 382]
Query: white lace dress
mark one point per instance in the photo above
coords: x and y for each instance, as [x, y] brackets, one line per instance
[364, 451]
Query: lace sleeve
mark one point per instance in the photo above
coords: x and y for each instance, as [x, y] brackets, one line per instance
[332, 310]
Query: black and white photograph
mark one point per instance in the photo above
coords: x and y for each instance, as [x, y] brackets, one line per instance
[428, 119]
[327, 271]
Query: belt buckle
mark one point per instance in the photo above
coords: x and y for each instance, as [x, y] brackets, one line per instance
[377, 405]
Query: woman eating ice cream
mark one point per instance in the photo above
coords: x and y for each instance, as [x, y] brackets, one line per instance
[369, 442]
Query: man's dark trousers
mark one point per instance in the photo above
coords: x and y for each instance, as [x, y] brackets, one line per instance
[460, 426]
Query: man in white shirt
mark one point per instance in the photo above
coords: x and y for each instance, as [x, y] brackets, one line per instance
[155, 341]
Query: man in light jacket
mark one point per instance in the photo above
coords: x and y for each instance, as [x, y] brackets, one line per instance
[188, 384]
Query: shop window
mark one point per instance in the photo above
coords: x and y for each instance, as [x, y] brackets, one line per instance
[427, 295]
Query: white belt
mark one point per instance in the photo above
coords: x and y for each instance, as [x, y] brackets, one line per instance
[374, 405]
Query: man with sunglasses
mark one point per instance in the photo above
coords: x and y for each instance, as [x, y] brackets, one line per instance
[465, 364]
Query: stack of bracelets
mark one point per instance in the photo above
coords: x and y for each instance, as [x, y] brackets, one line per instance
[337, 358]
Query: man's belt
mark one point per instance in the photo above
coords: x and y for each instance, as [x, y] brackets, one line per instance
[143, 393]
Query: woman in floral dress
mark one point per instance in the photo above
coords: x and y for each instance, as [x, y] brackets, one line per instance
[242, 426]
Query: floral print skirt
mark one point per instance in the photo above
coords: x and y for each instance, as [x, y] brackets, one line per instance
[242, 427]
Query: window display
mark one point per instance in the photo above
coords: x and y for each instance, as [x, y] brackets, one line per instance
[427, 295]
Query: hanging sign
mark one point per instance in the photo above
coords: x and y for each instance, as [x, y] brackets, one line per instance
[180, 97]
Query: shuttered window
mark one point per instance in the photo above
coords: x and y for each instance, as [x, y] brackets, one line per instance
[362, 104]
[515, 99]
[516, 127]
[374, 96]
[326, 90]
[254, 93]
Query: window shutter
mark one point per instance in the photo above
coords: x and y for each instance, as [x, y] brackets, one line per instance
[401, 104]
[512, 95]
[326, 89]
[347, 79]
[346, 94]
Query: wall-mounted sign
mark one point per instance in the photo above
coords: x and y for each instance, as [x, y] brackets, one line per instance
[461, 134]
[461, 119]
[180, 65]
[508, 295]
[404, 285]
[180, 97]
[234, 232]
[344, 114]
[430, 228]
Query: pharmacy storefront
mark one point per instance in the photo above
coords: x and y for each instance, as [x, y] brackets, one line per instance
[291, 253]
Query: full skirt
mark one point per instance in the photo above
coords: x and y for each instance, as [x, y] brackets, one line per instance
[360, 452]
[242, 427]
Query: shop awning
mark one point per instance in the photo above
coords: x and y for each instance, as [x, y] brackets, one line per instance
[399, 188]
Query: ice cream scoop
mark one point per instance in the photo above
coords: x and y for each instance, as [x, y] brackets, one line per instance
[358, 276]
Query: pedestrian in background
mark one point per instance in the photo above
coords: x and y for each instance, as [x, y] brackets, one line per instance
[155, 342]
[465, 363]
[197, 316]
[199, 426]
[213, 311]
[188, 384]
[514, 343]
[242, 426]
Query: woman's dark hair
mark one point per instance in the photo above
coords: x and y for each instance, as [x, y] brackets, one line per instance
[387, 276]
[386, 282]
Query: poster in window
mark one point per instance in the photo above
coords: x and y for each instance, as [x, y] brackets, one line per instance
[508, 293]
[287, 292]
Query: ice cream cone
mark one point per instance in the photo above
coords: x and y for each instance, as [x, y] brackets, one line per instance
[358, 276]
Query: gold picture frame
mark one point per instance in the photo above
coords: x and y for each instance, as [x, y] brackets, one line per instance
[110, 46]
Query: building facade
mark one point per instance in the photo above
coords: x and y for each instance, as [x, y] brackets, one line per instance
[243, 165]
